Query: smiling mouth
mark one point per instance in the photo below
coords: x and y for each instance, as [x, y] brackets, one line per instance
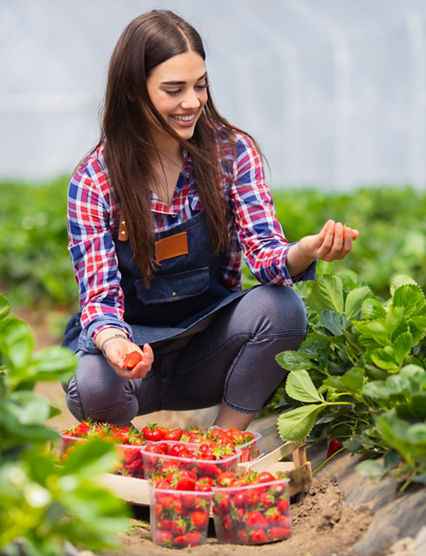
[183, 117]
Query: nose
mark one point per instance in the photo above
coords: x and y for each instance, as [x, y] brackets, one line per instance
[191, 100]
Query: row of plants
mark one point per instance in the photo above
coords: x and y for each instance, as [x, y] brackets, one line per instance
[391, 222]
[359, 377]
[47, 506]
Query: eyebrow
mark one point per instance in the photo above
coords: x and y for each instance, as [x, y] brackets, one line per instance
[182, 82]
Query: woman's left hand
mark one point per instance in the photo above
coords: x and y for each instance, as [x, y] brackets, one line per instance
[333, 242]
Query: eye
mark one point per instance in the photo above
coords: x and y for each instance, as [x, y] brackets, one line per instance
[202, 85]
[172, 91]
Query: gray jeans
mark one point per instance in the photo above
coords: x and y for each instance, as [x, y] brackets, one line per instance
[232, 361]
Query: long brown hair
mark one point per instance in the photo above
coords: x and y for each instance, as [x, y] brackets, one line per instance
[146, 42]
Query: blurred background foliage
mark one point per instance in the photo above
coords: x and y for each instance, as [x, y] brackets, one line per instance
[36, 271]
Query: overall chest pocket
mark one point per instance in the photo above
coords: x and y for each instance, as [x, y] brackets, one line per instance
[174, 286]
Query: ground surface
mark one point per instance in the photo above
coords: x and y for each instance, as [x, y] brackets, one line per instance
[323, 522]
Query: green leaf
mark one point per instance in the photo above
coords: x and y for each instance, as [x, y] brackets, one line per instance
[373, 329]
[414, 408]
[16, 341]
[296, 424]
[4, 307]
[293, 361]
[53, 363]
[300, 387]
[411, 299]
[91, 458]
[409, 441]
[402, 347]
[400, 280]
[370, 468]
[354, 301]
[353, 379]
[334, 322]
[406, 382]
[384, 358]
[416, 435]
[372, 309]
[329, 289]
[418, 328]
[30, 408]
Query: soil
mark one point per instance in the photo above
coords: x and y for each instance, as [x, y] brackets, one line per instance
[322, 523]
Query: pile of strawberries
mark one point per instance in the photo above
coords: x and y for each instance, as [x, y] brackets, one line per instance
[214, 443]
[192, 472]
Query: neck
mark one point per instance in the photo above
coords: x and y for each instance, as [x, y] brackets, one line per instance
[167, 147]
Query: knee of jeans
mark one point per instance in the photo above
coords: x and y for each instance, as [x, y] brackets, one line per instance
[284, 309]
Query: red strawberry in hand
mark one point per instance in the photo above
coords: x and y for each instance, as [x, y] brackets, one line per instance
[132, 359]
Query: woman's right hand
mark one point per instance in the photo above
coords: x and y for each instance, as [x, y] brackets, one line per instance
[116, 349]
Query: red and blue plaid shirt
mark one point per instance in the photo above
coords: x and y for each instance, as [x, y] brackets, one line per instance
[254, 231]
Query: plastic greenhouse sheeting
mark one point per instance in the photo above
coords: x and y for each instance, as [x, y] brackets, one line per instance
[333, 90]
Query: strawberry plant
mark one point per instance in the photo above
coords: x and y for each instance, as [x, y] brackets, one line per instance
[45, 503]
[359, 377]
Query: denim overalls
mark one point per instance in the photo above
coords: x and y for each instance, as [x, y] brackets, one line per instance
[183, 295]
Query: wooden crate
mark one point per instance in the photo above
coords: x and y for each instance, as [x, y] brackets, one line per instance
[137, 491]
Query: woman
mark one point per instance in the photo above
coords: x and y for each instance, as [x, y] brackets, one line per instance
[159, 214]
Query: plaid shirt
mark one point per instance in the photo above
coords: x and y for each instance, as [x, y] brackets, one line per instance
[254, 231]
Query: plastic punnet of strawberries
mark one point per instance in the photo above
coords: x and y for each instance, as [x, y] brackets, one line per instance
[251, 509]
[205, 458]
[128, 439]
[180, 507]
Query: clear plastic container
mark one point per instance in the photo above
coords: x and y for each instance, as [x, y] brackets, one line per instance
[250, 450]
[155, 464]
[179, 518]
[131, 460]
[253, 514]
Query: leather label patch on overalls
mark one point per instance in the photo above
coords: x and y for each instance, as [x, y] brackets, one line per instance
[171, 246]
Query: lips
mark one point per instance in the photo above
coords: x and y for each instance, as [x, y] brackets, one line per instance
[184, 119]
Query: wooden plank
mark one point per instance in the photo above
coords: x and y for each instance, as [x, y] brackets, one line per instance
[264, 460]
[299, 456]
[135, 491]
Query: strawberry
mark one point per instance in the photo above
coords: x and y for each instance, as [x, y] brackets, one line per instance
[243, 537]
[174, 434]
[194, 538]
[132, 359]
[81, 430]
[258, 536]
[163, 537]
[283, 505]
[178, 449]
[226, 478]
[278, 533]
[333, 446]
[189, 501]
[204, 484]
[185, 484]
[208, 469]
[179, 527]
[267, 499]
[199, 519]
[255, 519]
[165, 524]
[153, 432]
[264, 477]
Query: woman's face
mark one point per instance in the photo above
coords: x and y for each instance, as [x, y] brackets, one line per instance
[178, 90]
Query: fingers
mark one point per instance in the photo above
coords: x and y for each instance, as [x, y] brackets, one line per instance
[117, 351]
[337, 241]
[144, 366]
